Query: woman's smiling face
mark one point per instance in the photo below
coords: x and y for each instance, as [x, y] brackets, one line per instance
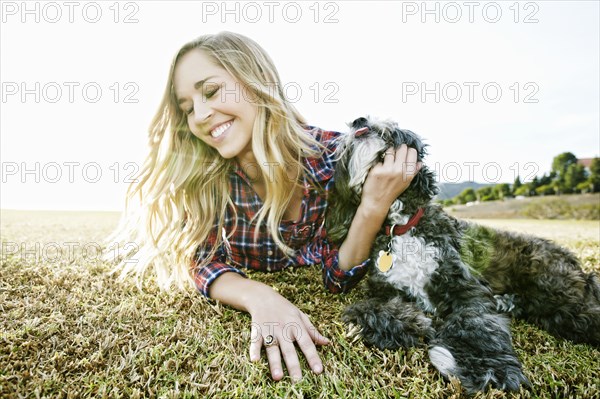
[217, 111]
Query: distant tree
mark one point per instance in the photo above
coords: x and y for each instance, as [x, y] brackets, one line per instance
[546, 189]
[485, 194]
[516, 185]
[532, 185]
[594, 178]
[467, 195]
[561, 162]
[523, 190]
[502, 191]
[448, 202]
[547, 178]
[574, 175]
[585, 187]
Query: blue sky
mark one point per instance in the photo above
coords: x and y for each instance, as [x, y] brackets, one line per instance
[496, 88]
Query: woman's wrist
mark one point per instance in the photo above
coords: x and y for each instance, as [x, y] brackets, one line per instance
[372, 212]
[258, 295]
[240, 292]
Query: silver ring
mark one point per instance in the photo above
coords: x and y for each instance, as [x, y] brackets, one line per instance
[270, 340]
[387, 153]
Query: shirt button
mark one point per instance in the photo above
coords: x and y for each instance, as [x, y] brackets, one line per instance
[270, 253]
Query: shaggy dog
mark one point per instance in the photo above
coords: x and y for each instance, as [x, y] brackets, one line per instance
[450, 284]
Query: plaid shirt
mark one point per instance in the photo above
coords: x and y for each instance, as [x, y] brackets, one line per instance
[307, 237]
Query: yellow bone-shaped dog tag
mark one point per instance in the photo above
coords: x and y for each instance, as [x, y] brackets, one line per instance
[384, 261]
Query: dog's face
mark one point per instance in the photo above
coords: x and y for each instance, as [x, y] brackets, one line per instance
[366, 144]
[356, 153]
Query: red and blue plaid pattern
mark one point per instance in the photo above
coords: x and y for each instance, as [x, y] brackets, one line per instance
[307, 236]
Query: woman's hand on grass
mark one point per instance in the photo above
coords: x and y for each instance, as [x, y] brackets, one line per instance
[274, 315]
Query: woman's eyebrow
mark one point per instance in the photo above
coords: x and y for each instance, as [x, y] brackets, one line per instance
[197, 86]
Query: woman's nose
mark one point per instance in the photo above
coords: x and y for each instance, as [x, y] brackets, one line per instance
[202, 111]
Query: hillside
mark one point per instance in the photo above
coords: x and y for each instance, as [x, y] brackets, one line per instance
[516, 208]
[451, 190]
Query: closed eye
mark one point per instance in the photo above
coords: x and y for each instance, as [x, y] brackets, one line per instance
[211, 90]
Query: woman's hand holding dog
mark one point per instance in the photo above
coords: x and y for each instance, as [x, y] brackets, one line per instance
[385, 182]
[389, 178]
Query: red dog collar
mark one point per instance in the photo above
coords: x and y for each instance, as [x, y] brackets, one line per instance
[412, 222]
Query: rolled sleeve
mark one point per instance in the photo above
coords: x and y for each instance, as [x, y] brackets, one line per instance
[206, 275]
[337, 280]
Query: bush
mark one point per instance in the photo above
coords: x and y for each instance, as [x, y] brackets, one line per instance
[523, 190]
[586, 212]
[546, 189]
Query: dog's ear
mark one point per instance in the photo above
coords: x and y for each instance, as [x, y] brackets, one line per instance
[343, 203]
[422, 189]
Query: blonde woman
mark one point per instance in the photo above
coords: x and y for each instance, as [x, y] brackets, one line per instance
[236, 179]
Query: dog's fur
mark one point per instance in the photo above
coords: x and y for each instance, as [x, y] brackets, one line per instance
[453, 284]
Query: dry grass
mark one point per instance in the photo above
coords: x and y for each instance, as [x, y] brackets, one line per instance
[68, 330]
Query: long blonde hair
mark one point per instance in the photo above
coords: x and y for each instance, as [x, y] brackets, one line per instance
[182, 189]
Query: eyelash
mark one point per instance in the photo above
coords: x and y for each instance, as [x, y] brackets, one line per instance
[207, 96]
[212, 93]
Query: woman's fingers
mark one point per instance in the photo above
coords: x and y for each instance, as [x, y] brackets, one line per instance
[283, 347]
[406, 161]
[274, 358]
[288, 350]
[312, 331]
[255, 343]
[306, 342]
[401, 162]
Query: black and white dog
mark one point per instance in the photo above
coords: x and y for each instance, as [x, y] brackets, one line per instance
[449, 284]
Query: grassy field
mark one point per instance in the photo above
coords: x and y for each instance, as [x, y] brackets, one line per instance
[69, 330]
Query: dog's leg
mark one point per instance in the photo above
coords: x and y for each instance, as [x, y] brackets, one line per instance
[550, 289]
[473, 342]
[476, 347]
[389, 323]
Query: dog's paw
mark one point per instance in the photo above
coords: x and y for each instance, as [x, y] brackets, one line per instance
[387, 324]
[477, 349]
[505, 303]
[477, 374]
[353, 332]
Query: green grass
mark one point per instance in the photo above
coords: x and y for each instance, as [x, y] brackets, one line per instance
[69, 330]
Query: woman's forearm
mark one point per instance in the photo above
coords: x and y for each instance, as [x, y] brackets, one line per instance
[363, 230]
[239, 292]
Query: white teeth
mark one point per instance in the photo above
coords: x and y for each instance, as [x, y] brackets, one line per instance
[219, 131]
